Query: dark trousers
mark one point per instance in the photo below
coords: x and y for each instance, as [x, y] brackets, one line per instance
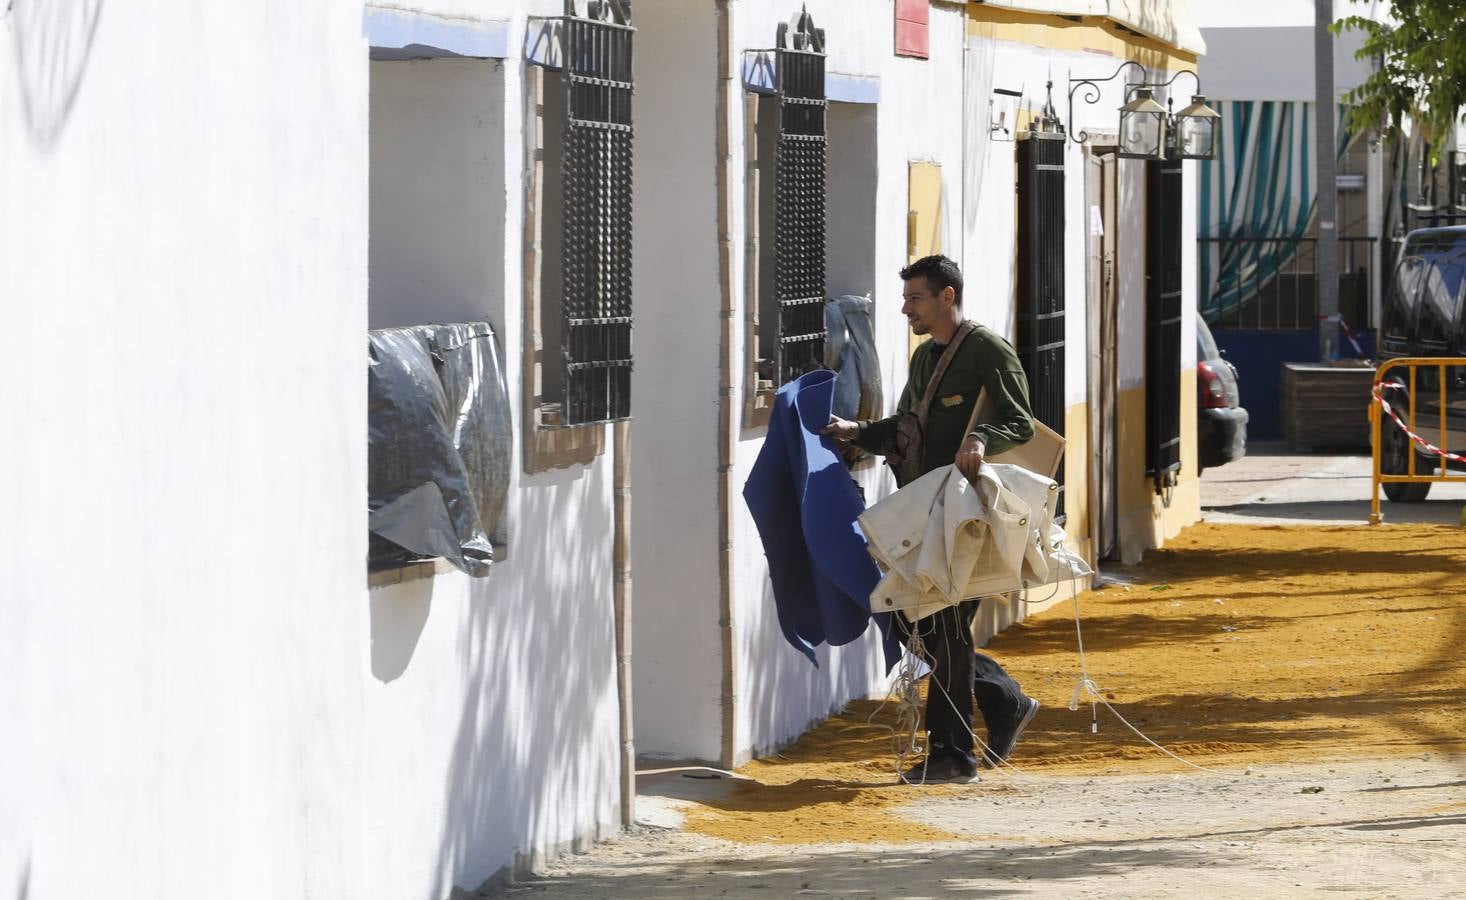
[959, 676]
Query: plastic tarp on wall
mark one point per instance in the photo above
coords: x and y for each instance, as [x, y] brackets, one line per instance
[438, 445]
[850, 351]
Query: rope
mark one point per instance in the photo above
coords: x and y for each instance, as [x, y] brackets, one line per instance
[905, 693]
[1427, 446]
[1096, 699]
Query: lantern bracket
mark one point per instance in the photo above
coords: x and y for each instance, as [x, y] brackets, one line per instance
[1092, 91]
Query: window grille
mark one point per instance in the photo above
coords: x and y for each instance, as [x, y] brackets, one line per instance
[595, 219]
[1163, 322]
[1041, 274]
[799, 201]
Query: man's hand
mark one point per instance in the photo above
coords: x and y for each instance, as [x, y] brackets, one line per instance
[841, 429]
[969, 457]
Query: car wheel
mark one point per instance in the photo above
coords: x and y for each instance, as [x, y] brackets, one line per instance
[1394, 459]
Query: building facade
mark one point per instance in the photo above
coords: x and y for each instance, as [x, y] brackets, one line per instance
[205, 214]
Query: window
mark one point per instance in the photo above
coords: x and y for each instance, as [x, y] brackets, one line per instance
[787, 142]
[436, 212]
[1400, 302]
[1440, 302]
[578, 290]
[1163, 322]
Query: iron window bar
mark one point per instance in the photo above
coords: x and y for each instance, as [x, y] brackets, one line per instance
[1041, 312]
[800, 161]
[596, 303]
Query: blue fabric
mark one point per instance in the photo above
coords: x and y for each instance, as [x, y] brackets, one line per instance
[805, 504]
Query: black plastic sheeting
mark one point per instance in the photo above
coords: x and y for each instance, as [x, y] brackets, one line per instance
[438, 447]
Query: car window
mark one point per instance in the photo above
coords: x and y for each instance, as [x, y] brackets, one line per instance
[1440, 299]
[1206, 345]
[1400, 303]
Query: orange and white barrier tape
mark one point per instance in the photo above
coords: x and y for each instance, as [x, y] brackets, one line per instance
[1422, 443]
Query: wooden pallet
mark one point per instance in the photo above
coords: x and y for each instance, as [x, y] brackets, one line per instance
[1326, 405]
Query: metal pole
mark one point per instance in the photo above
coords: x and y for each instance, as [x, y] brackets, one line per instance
[1326, 262]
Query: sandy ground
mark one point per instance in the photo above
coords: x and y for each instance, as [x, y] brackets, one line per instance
[1375, 830]
[1315, 673]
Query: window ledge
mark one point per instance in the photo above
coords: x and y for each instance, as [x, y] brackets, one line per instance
[757, 406]
[560, 447]
[427, 568]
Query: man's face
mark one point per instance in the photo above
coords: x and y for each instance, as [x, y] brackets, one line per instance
[922, 308]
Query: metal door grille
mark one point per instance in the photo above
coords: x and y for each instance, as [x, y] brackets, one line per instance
[1041, 276]
[1163, 322]
[596, 214]
[799, 202]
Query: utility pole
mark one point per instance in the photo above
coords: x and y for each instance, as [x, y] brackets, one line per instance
[1326, 256]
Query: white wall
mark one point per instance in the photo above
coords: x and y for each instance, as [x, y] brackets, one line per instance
[678, 646]
[780, 693]
[183, 640]
[990, 262]
[480, 687]
[491, 711]
[678, 655]
[207, 691]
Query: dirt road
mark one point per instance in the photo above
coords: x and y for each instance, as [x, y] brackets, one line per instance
[1377, 830]
[1317, 673]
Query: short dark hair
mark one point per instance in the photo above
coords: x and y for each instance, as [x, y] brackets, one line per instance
[940, 273]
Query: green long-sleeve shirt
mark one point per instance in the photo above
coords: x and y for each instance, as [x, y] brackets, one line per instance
[984, 361]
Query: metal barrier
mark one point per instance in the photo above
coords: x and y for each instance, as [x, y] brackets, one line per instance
[1380, 407]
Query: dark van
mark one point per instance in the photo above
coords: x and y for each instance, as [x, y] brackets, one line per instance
[1423, 317]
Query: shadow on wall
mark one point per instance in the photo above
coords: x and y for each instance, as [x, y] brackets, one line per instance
[785, 693]
[53, 41]
[538, 660]
[398, 618]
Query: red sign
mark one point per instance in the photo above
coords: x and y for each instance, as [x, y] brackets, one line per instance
[913, 28]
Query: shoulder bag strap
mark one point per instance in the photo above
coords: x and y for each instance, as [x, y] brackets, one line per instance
[946, 360]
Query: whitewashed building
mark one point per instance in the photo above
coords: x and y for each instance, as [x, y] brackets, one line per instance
[205, 212]
[922, 156]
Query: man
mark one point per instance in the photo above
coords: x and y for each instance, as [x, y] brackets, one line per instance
[984, 361]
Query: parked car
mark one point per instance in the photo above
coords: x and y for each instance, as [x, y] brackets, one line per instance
[1422, 316]
[1221, 422]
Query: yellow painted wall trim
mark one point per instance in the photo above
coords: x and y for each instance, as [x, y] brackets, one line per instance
[1146, 520]
[1085, 34]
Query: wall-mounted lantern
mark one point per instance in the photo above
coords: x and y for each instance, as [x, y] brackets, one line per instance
[1196, 130]
[1143, 127]
[1149, 130]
